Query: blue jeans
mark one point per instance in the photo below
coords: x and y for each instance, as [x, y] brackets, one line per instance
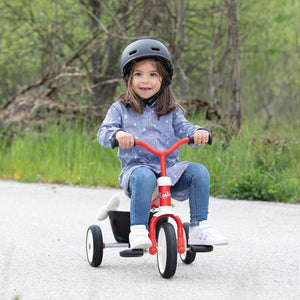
[143, 181]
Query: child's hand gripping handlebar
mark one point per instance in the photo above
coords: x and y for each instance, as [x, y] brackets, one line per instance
[115, 143]
[161, 153]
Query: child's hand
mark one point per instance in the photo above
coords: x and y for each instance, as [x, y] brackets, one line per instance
[201, 137]
[125, 139]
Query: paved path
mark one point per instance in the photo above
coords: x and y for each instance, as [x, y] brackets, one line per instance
[42, 250]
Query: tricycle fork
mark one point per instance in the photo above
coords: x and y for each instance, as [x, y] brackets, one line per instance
[152, 232]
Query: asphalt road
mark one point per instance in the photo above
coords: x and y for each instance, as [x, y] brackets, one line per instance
[42, 250]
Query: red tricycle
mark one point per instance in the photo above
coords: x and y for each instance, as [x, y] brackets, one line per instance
[162, 234]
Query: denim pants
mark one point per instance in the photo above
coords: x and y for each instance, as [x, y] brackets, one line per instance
[143, 181]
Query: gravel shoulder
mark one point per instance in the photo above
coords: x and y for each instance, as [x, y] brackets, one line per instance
[42, 250]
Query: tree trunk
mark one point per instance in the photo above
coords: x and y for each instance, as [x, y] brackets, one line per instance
[181, 77]
[236, 100]
[104, 93]
[217, 60]
[104, 62]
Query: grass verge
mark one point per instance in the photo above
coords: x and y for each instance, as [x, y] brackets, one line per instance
[255, 165]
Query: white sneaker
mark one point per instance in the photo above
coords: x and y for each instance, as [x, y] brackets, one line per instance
[205, 234]
[139, 237]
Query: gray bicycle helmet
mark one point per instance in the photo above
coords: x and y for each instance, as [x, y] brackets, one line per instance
[145, 48]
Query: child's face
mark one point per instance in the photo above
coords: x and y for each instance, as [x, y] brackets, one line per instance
[146, 80]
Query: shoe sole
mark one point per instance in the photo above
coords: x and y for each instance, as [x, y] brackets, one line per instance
[196, 243]
[143, 246]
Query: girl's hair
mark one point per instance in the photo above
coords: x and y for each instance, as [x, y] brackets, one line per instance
[166, 101]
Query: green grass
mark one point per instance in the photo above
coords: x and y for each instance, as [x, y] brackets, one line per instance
[255, 165]
[69, 155]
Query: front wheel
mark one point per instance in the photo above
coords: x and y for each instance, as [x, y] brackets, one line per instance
[94, 245]
[166, 250]
[188, 256]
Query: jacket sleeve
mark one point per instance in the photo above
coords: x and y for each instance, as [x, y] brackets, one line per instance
[182, 127]
[110, 125]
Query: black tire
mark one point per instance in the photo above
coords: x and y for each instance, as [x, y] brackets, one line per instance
[166, 250]
[188, 256]
[94, 245]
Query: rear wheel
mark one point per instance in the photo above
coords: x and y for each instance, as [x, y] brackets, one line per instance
[188, 256]
[94, 245]
[166, 250]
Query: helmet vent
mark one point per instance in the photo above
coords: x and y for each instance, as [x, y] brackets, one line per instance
[132, 52]
[155, 49]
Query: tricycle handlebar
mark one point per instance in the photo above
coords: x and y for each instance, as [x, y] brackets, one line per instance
[190, 140]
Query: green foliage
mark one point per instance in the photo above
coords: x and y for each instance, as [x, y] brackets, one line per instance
[255, 165]
[62, 155]
[38, 36]
[258, 184]
[270, 57]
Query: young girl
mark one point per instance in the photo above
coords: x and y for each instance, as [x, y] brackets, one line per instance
[148, 111]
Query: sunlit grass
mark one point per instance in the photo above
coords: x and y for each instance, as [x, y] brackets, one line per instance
[69, 155]
[255, 165]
